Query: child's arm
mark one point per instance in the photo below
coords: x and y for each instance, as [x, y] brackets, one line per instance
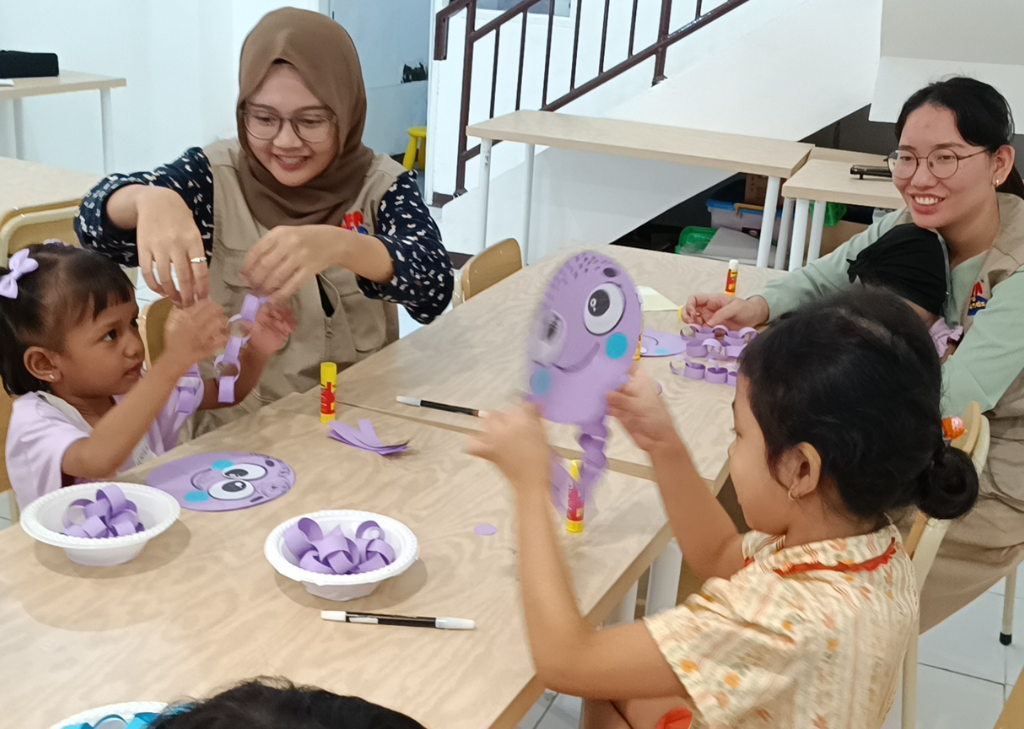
[201, 331]
[707, 536]
[569, 655]
[269, 334]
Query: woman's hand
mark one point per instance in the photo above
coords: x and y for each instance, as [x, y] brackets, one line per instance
[196, 333]
[290, 255]
[517, 443]
[710, 310]
[640, 409]
[270, 331]
[168, 236]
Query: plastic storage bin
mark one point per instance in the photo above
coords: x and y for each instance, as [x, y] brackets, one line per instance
[694, 239]
[741, 217]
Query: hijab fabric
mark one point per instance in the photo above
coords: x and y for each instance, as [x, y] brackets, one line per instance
[909, 261]
[325, 57]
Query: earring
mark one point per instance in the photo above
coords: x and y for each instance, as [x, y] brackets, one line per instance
[51, 376]
[791, 497]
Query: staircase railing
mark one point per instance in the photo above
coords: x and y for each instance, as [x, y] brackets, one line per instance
[657, 50]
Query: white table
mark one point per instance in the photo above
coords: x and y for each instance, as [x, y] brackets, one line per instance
[67, 82]
[823, 179]
[774, 158]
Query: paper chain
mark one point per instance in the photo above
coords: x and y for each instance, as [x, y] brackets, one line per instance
[250, 307]
[704, 343]
[110, 515]
[334, 553]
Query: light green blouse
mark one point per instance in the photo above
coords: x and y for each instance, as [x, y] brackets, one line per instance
[990, 357]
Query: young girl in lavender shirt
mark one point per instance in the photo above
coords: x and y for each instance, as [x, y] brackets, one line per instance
[70, 350]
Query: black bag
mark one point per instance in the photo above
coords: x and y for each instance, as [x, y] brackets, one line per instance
[17, 64]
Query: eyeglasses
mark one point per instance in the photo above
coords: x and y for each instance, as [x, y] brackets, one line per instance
[313, 126]
[942, 163]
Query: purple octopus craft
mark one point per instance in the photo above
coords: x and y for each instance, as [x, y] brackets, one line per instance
[223, 481]
[581, 347]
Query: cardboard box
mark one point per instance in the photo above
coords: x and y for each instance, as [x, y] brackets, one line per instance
[757, 190]
[835, 236]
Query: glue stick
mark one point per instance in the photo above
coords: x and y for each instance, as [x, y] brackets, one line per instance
[574, 512]
[328, 385]
[730, 281]
[953, 427]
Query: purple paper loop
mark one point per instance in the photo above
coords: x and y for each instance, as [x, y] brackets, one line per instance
[226, 387]
[110, 515]
[732, 378]
[716, 375]
[696, 349]
[334, 553]
[190, 389]
[715, 349]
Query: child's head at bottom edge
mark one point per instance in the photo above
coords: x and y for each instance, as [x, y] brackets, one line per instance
[838, 418]
[68, 324]
[276, 703]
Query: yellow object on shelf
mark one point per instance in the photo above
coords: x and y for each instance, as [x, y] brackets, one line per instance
[417, 149]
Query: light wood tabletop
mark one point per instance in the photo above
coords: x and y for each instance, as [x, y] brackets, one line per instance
[66, 83]
[830, 180]
[31, 186]
[698, 147]
[475, 356]
[201, 608]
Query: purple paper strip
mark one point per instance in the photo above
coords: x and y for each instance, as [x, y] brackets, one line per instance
[334, 553]
[365, 438]
[110, 515]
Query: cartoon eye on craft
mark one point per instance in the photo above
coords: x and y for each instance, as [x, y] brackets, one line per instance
[605, 308]
[232, 490]
[247, 471]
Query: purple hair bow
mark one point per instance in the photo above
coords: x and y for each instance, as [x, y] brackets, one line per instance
[20, 265]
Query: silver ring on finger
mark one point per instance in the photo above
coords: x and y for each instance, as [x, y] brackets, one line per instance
[195, 261]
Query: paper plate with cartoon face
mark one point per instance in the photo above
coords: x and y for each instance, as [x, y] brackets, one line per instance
[583, 339]
[223, 481]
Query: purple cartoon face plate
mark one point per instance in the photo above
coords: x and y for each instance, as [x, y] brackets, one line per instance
[583, 339]
[223, 481]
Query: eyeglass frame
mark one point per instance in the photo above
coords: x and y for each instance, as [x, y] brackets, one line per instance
[281, 119]
[917, 162]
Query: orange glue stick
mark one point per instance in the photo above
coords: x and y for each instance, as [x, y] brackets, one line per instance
[328, 386]
[730, 281]
[574, 514]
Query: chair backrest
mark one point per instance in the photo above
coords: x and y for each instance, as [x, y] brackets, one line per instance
[926, 535]
[491, 266]
[153, 326]
[6, 403]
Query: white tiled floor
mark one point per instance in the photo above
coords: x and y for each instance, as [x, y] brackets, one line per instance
[965, 674]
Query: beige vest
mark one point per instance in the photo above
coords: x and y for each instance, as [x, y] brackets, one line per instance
[359, 327]
[1004, 473]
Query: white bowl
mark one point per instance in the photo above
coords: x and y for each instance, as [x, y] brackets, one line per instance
[343, 587]
[43, 520]
[125, 711]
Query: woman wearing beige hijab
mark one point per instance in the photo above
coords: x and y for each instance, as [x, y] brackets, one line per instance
[270, 212]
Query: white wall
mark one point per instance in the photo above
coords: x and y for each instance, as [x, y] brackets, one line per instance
[926, 40]
[389, 34]
[180, 60]
[769, 71]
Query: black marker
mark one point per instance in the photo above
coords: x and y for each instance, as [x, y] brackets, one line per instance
[340, 616]
[417, 403]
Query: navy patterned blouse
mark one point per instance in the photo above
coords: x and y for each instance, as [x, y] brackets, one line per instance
[423, 272]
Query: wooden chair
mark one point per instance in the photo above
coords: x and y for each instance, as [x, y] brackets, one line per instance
[923, 544]
[491, 266]
[152, 326]
[6, 401]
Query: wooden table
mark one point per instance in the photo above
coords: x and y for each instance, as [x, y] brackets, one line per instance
[66, 83]
[1012, 716]
[774, 158]
[475, 356]
[824, 181]
[201, 608]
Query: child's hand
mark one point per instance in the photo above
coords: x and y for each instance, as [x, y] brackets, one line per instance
[639, 407]
[196, 333]
[517, 443]
[270, 331]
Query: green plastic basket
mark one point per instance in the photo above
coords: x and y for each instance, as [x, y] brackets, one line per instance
[694, 239]
[834, 212]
